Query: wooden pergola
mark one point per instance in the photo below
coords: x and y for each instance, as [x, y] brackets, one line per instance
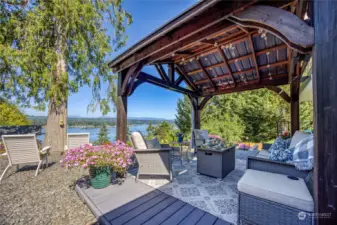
[221, 47]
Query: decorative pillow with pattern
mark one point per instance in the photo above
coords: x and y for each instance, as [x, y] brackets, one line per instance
[303, 157]
[282, 155]
[279, 144]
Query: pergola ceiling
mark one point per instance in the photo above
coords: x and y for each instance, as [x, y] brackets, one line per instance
[219, 47]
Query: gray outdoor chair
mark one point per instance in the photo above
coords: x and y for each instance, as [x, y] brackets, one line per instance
[272, 192]
[75, 140]
[152, 160]
[22, 149]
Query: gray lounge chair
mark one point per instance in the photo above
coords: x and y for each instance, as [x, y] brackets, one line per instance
[22, 149]
[151, 161]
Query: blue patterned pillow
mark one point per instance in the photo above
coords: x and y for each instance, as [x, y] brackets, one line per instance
[279, 144]
[279, 150]
[282, 155]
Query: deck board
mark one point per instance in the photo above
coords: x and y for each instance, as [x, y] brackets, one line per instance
[134, 203]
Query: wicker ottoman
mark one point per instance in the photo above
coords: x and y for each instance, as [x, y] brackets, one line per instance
[216, 163]
[270, 198]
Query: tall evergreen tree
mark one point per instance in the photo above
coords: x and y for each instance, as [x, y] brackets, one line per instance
[51, 48]
[183, 116]
[103, 135]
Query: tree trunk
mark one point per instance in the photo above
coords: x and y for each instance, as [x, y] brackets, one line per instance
[56, 127]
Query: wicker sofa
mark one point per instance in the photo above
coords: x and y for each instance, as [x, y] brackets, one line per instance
[152, 160]
[268, 194]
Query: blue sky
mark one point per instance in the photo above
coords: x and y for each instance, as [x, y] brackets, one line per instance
[147, 100]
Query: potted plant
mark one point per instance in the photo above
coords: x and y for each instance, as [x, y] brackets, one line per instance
[100, 160]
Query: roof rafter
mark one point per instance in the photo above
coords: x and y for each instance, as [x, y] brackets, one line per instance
[222, 54]
[182, 73]
[254, 57]
[206, 73]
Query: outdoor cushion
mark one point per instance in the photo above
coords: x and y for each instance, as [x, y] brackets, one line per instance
[298, 137]
[303, 157]
[138, 140]
[282, 155]
[153, 144]
[277, 188]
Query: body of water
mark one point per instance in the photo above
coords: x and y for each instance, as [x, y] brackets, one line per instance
[94, 131]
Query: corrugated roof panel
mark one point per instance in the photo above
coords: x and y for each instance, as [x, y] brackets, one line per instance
[227, 53]
[232, 67]
[262, 60]
[248, 47]
[270, 42]
[241, 48]
[259, 43]
[271, 57]
[282, 54]
[218, 57]
[246, 63]
[224, 70]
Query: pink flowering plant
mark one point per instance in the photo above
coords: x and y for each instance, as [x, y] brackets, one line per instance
[116, 155]
[243, 146]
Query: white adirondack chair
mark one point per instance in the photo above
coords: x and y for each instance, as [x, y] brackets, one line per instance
[22, 149]
[75, 140]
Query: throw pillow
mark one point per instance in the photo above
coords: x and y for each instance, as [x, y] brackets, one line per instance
[283, 155]
[303, 157]
[279, 144]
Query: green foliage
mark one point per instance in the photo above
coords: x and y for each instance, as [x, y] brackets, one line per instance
[306, 116]
[183, 116]
[165, 132]
[10, 115]
[42, 39]
[103, 135]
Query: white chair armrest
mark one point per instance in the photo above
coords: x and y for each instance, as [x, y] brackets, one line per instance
[45, 150]
[66, 148]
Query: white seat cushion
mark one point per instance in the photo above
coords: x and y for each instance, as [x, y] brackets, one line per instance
[263, 154]
[277, 188]
[298, 137]
[138, 140]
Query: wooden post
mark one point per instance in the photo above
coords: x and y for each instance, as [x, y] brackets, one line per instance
[195, 117]
[121, 128]
[294, 109]
[325, 108]
[294, 103]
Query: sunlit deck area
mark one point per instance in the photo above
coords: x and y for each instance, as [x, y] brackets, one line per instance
[155, 200]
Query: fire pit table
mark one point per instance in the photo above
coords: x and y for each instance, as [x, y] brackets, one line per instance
[216, 163]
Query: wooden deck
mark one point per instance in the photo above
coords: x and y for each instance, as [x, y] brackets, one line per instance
[137, 203]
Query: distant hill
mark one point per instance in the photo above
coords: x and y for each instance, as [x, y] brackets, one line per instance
[77, 121]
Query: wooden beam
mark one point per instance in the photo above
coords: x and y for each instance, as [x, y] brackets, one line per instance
[254, 58]
[205, 72]
[280, 92]
[179, 80]
[182, 73]
[158, 82]
[131, 74]
[243, 71]
[222, 54]
[162, 73]
[249, 85]
[121, 128]
[325, 112]
[204, 102]
[136, 84]
[276, 48]
[285, 28]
